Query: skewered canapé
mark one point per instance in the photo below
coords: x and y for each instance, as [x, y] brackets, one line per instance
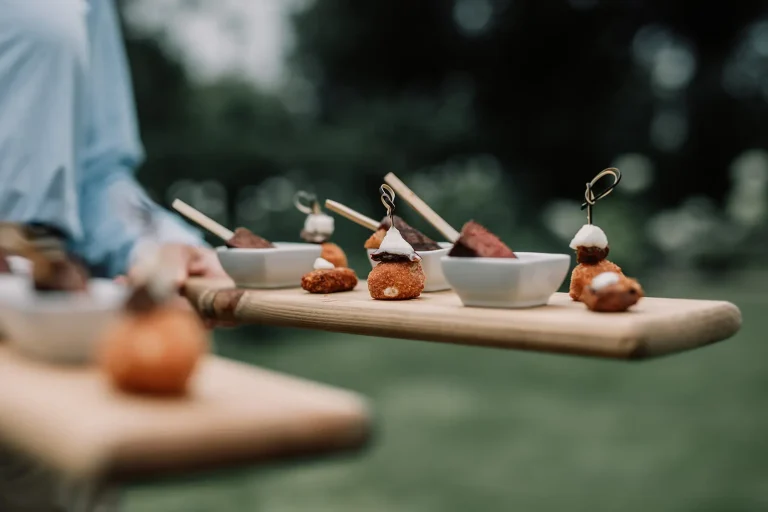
[155, 347]
[417, 240]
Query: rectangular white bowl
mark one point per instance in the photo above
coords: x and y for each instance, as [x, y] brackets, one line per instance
[55, 326]
[278, 267]
[527, 281]
[430, 263]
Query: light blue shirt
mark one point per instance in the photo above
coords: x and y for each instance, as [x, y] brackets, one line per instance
[69, 143]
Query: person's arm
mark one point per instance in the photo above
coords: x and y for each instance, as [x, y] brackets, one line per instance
[111, 201]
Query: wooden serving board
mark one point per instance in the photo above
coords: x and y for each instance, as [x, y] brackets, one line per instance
[73, 421]
[654, 327]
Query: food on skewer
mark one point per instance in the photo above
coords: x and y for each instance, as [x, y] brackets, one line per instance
[327, 278]
[241, 238]
[591, 246]
[244, 238]
[418, 240]
[475, 241]
[318, 229]
[155, 347]
[399, 275]
[611, 292]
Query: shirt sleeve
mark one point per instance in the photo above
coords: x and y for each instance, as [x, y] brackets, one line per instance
[115, 212]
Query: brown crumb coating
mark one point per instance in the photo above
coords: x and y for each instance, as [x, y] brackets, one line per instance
[374, 242]
[583, 274]
[396, 281]
[334, 254]
[614, 298]
[329, 280]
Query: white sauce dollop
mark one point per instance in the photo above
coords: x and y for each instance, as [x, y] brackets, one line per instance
[394, 243]
[590, 236]
[322, 264]
[605, 279]
[319, 223]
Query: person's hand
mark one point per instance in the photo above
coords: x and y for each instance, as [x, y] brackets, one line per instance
[189, 261]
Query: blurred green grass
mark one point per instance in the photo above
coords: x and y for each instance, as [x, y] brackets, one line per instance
[476, 429]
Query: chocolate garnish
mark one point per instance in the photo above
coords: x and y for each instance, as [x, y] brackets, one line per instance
[477, 242]
[246, 239]
[418, 240]
[591, 255]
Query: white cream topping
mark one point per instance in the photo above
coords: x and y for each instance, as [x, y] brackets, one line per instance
[605, 279]
[394, 243]
[590, 236]
[321, 264]
[319, 223]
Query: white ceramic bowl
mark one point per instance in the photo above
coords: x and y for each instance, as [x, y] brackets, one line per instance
[278, 267]
[430, 263]
[58, 327]
[527, 281]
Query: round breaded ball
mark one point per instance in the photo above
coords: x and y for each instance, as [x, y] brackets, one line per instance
[334, 254]
[396, 281]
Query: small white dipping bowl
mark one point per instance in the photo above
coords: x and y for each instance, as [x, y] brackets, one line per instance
[525, 282]
[57, 326]
[430, 264]
[279, 267]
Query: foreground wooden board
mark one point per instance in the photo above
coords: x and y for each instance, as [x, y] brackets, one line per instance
[653, 328]
[73, 421]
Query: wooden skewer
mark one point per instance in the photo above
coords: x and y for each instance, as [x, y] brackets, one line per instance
[421, 207]
[349, 213]
[202, 220]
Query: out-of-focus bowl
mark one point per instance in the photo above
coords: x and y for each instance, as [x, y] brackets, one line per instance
[430, 263]
[527, 281]
[57, 326]
[278, 267]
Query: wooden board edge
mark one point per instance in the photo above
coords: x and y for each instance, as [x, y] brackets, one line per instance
[721, 321]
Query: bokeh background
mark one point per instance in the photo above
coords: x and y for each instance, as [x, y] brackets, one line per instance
[500, 111]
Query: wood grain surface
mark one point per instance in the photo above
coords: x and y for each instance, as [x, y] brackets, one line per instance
[73, 421]
[654, 327]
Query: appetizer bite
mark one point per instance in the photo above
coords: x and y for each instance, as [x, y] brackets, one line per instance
[327, 278]
[429, 250]
[318, 229]
[611, 292]
[591, 246]
[399, 275]
[155, 347]
[415, 238]
[477, 242]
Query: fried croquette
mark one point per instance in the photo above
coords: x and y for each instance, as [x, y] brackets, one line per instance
[584, 273]
[396, 281]
[330, 280]
[333, 253]
[612, 293]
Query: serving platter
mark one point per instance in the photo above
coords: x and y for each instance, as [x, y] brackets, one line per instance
[654, 327]
[71, 420]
